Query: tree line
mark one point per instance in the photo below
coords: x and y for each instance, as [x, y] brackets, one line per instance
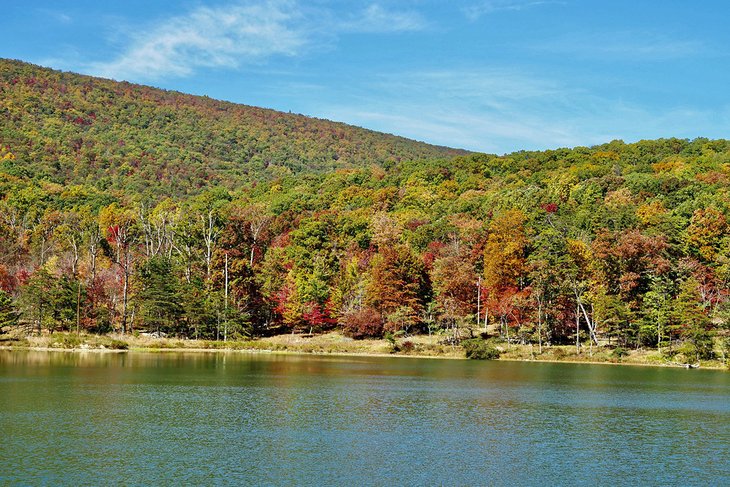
[624, 244]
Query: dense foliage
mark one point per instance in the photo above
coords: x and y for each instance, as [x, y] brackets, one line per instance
[72, 128]
[620, 243]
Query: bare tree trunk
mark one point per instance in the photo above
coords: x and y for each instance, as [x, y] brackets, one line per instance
[113, 310]
[75, 261]
[539, 324]
[506, 330]
[225, 323]
[257, 224]
[479, 301]
[93, 250]
[131, 320]
[78, 305]
[43, 250]
[209, 236]
[660, 327]
[577, 330]
[591, 328]
[124, 302]
[580, 307]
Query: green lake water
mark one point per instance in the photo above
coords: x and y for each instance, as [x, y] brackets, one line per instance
[257, 419]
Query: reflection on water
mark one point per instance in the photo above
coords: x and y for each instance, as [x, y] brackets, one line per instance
[210, 418]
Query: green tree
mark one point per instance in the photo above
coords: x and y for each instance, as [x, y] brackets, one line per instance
[8, 313]
[693, 322]
[657, 308]
[65, 300]
[36, 299]
[159, 296]
[548, 280]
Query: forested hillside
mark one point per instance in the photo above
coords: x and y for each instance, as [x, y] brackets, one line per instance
[622, 243]
[69, 128]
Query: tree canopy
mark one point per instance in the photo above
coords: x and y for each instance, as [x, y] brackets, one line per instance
[119, 210]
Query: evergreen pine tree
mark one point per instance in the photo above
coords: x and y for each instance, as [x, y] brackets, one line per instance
[8, 313]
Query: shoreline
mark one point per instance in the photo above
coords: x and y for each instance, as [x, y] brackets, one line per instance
[333, 345]
[233, 350]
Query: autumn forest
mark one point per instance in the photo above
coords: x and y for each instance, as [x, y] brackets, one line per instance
[129, 209]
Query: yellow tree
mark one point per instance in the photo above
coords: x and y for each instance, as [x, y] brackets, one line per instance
[504, 262]
[705, 232]
[504, 251]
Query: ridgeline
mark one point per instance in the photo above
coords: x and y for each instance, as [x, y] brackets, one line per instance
[74, 129]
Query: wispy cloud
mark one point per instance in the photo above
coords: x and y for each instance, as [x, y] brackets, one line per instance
[504, 110]
[59, 17]
[475, 11]
[483, 109]
[240, 34]
[626, 45]
[210, 37]
[376, 19]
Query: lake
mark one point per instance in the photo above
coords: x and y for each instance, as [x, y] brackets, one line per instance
[257, 419]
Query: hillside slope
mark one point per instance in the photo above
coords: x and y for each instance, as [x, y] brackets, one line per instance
[79, 129]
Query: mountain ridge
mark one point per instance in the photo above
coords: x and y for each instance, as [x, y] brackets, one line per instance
[75, 128]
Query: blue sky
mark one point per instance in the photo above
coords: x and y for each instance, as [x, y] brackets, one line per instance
[487, 75]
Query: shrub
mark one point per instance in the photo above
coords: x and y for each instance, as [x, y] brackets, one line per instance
[478, 349]
[364, 323]
[559, 353]
[669, 353]
[407, 346]
[118, 345]
[619, 352]
[696, 350]
[18, 342]
[390, 338]
[65, 341]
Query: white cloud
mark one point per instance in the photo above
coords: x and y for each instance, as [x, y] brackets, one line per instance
[486, 7]
[483, 109]
[376, 19]
[210, 37]
[240, 34]
[506, 110]
[624, 45]
[59, 17]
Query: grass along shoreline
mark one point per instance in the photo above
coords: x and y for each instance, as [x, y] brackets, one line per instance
[335, 343]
